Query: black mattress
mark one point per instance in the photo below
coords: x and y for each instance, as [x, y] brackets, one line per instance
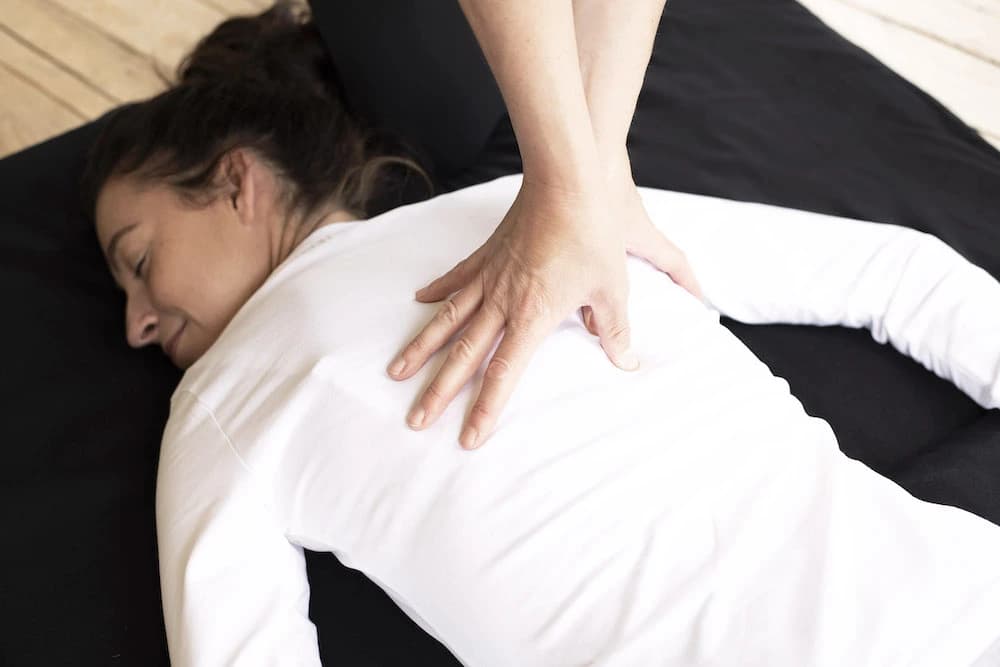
[750, 101]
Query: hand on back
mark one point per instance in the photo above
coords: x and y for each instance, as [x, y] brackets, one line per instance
[554, 251]
[570, 74]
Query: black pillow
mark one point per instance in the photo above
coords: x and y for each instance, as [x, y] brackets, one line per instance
[755, 101]
[83, 415]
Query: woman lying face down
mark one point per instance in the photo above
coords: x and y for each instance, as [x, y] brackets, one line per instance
[199, 193]
[690, 513]
[187, 269]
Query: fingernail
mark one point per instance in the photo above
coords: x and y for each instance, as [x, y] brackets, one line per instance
[630, 361]
[420, 292]
[416, 418]
[469, 438]
[397, 367]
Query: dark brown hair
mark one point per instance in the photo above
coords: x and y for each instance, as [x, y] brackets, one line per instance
[264, 83]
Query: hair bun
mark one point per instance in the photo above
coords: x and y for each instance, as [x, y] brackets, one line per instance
[265, 83]
[279, 48]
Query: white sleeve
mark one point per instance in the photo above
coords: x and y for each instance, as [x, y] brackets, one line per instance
[234, 588]
[764, 264]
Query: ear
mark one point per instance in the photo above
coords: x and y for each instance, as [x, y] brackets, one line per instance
[239, 180]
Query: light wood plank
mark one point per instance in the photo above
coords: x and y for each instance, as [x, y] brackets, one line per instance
[968, 86]
[967, 26]
[90, 54]
[82, 49]
[238, 7]
[164, 30]
[28, 115]
[47, 74]
[261, 5]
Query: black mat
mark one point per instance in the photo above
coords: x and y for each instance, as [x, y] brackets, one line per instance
[753, 101]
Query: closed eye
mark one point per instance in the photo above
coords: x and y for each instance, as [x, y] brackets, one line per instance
[138, 267]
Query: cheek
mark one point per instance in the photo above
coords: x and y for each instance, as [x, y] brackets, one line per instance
[177, 278]
[206, 279]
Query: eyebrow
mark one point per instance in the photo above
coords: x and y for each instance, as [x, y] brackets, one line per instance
[113, 243]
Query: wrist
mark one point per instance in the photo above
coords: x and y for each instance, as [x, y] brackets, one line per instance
[579, 176]
[618, 170]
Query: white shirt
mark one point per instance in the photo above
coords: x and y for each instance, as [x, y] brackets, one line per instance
[688, 513]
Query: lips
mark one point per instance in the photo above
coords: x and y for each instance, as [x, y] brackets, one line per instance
[170, 347]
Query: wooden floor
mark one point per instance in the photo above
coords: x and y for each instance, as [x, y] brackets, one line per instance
[63, 62]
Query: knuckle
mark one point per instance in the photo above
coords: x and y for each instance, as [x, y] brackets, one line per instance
[495, 308]
[417, 347]
[433, 394]
[618, 331]
[448, 313]
[462, 350]
[498, 368]
[531, 308]
[479, 413]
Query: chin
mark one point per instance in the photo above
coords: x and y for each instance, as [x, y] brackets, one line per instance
[190, 348]
[184, 359]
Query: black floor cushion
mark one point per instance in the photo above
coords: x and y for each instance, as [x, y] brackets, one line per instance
[751, 101]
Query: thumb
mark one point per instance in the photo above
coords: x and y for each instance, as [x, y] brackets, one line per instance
[587, 314]
[667, 257]
[610, 322]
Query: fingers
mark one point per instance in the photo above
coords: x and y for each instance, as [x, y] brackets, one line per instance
[520, 340]
[464, 359]
[450, 317]
[610, 322]
[458, 277]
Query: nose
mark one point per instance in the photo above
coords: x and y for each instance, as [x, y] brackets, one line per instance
[141, 321]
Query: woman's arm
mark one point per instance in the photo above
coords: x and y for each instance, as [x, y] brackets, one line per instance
[532, 51]
[561, 246]
[234, 589]
[555, 250]
[614, 42]
[763, 264]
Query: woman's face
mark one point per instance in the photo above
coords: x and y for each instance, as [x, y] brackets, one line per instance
[186, 270]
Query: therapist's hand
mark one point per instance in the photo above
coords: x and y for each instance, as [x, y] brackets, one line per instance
[642, 238]
[554, 251]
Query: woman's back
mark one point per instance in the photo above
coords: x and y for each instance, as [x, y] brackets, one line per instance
[690, 512]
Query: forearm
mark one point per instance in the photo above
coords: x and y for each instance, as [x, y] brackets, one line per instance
[614, 43]
[532, 51]
[763, 264]
[234, 589]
